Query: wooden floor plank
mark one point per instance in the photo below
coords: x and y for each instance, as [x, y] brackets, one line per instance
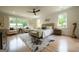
[61, 44]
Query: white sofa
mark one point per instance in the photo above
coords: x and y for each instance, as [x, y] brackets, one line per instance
[11, 32]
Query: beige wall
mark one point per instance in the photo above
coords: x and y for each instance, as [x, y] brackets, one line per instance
[77, 20]
[32, 23]
[4, 19]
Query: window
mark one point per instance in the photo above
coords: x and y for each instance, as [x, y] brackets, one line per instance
[12, 22]
[21, 23]
[38, 23]
[17, 22]
[62, 21]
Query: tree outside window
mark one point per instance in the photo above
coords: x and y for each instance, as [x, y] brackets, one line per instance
[62, 21]
[21, 23]
[17, 22]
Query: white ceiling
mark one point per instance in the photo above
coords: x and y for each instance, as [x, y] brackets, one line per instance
[23, 10]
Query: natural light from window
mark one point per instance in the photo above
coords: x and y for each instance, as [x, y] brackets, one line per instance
[17, 22]
[62, 21]
[38, 23]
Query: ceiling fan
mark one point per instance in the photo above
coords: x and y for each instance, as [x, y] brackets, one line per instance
[34, 11]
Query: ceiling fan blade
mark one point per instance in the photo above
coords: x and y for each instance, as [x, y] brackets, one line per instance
[37, 10]
[30, 11]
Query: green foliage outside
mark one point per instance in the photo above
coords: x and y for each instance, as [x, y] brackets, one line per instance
[13, 20]
[18, 21]
[62, 20]
[22, 21]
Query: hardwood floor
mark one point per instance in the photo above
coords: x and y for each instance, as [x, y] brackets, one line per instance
[61, 44]
[16, 44]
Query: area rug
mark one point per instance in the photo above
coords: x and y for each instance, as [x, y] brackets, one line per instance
[36, 48]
